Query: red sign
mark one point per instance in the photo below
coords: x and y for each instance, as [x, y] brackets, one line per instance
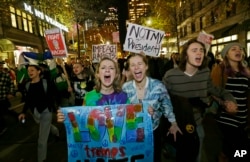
[56, 43]
[115, 36]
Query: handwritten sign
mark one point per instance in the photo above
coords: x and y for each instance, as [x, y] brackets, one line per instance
[56, 43]
[109, 133]
[206, 39]
[143, 39]
[103, 50]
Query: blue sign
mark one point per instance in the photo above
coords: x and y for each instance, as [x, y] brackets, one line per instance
[109, 133]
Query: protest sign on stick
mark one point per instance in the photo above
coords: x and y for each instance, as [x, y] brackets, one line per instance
[103, 50]
[56, 43]
[141, 39]
[109, 133]
[206, 39]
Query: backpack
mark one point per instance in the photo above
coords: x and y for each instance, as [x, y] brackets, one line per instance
[27, 86]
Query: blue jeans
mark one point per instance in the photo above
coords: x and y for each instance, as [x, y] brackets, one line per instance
[44, 119]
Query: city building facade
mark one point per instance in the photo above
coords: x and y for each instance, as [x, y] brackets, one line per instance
[227, 20]
[22, 28]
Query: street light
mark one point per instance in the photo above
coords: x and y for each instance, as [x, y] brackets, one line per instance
[149, 22]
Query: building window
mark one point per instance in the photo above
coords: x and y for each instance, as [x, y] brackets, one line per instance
[30, 23]
[192, 9]
[40, 28]
[212, 17]
[185, 30]
[200, 5]
[204, 24]
[180, 17]
[192, 27]
[181, 33]
[13, 17]
[19, 20]
[25, 22]
[184, 14]
[230, 9]
[201, 27]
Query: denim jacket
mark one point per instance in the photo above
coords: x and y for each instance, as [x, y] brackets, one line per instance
[156, 95]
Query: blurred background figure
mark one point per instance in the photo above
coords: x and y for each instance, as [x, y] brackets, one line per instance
[233, 75]
[7, 91]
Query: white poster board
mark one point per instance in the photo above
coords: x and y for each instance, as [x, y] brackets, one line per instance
[103, 50]
[143, 39]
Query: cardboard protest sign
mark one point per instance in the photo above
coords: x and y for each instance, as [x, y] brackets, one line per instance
[103, 50]
[206, 39]
[109, 133]
[115, 36]
[56, 43]
[143, 39]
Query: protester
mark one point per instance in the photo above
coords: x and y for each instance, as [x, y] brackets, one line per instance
[63, 89]
[126, 74]
[81, 83]
[233, 75]
[146, 89]
[39, 99]
[108, 89]
[7, 91]
[191, 82]
[173, 62]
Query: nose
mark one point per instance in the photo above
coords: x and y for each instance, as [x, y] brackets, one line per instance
[136, 66]
[107, 69]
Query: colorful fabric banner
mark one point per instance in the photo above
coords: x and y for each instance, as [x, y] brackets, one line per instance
[109, 133]
[26, 58]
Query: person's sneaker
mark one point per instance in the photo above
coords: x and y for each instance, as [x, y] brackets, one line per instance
[3, 131]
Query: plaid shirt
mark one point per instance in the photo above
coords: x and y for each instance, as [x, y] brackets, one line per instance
[6, 85]
[156, 96]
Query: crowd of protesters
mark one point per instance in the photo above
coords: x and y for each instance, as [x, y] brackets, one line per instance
[185, 77]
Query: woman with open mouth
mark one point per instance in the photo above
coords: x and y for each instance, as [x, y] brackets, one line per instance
[152, 91]
[107, 90]
[233, 75]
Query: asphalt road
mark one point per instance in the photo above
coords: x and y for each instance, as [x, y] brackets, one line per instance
[19, 142]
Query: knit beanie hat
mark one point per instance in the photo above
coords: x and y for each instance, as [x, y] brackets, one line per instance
[227, 47]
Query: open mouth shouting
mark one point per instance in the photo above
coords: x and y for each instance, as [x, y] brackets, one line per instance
[107, 78]
[238, 56]
[198, 60]
[138, 75]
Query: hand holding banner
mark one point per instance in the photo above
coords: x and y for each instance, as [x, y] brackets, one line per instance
[109, 133]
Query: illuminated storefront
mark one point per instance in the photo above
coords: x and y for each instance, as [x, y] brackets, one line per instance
[23, 30]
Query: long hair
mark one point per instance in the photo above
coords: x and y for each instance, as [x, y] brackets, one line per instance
[117, 80]
[183, 56]
[229, 70]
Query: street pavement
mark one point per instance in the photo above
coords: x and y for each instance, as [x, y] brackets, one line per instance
[19, 142]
